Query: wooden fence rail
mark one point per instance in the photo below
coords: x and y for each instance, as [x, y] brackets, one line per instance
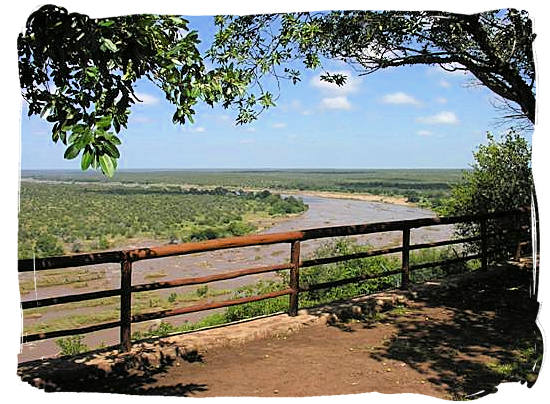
[126, 257]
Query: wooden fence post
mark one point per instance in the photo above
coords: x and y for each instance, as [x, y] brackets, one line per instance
[294, 282]
[125, 304]
[405, 258]
[484, 256]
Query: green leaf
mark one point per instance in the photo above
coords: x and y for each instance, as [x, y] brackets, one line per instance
[87, 158]
[104, 122]
[106, 165]
[71, 152]
[105, 23]
[111, 149]
[109, 44]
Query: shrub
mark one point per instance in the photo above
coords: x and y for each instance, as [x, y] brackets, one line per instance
[500, 180]
[202, 291]
[72, 345]
[173, 297]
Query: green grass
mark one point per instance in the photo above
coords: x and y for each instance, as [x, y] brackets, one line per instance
[399, 311]
[524, 367]
[69, 277]
[108, 309]
[155, 275]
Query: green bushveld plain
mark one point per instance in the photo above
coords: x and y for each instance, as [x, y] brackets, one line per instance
[426, 185]
[59, 218]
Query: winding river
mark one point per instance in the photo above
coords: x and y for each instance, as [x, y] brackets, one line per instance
[322, 212]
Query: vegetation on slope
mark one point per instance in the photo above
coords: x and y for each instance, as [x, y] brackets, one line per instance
[61, 218]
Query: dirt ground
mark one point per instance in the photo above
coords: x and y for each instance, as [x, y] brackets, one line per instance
[453, 342]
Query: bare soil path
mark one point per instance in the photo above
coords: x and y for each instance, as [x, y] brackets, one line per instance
[454, 340]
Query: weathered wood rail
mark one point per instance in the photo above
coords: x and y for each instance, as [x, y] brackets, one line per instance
[126, 257]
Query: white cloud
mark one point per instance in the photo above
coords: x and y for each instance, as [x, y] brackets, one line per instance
[250, 129]
[140, 118]
[400, 98]
[246, 141]
[351, 86]
[424, 133]
[444, 83]
[441, 100]
[339, 102]
[193, 129]
[279, 125]
[147, 99]
[444, 117]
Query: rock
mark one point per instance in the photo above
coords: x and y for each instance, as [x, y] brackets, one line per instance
[332, 319]
[356, 311]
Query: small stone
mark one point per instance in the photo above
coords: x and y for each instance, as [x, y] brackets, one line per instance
[356, 310]
[332, 319]
[275, 391]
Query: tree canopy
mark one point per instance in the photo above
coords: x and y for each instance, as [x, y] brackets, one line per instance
[495, 46]
[79, 73]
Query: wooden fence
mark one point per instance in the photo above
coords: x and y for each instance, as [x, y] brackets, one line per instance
[126, 257]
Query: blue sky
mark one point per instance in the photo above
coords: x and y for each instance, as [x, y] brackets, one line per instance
[409, 117]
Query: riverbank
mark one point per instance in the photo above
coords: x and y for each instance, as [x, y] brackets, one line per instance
[396, 200]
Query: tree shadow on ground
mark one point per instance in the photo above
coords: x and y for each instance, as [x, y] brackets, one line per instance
[471, 336]
[125, 377]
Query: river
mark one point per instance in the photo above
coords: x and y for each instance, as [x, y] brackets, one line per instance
[322, 212]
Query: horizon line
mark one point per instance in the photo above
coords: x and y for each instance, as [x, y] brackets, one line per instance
[249, 168]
